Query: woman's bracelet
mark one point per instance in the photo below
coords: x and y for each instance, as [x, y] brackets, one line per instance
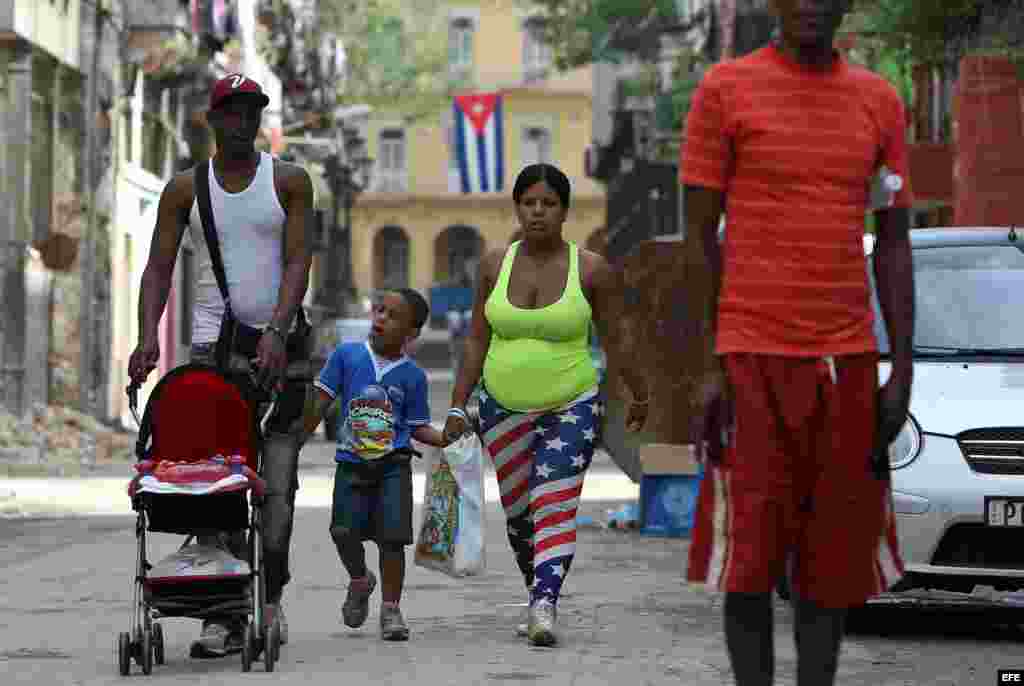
[460, 413]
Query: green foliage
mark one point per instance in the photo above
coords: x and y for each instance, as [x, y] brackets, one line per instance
[894, 66]
[577, 30]
[396, 52]
[927, 31]
[899, 34]
[674, 105]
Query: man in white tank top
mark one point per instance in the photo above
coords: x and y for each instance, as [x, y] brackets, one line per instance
[262, 209]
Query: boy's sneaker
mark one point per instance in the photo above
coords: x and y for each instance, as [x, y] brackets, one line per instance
[392, 624]
[357, 603]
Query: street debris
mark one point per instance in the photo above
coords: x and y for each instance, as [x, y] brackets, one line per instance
[626, 517]
[61, 437]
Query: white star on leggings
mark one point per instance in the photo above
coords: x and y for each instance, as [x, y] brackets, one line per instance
[544, 470]
[556, 444]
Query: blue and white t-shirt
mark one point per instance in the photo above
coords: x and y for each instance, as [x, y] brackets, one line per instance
[381, 401]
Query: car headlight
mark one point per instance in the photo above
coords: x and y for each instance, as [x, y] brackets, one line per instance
[907, 445]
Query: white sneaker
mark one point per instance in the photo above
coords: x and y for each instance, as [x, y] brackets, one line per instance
[541, 631]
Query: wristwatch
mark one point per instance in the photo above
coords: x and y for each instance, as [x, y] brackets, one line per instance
[280, 334]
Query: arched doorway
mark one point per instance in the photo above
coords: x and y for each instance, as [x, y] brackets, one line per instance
[457, 252]
[390, 258]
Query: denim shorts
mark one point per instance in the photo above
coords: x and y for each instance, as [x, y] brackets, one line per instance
[373, 501]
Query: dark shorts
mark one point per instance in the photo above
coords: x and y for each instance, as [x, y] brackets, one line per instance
[374, 500]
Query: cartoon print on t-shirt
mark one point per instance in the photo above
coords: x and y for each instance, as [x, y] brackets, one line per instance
[369, 430]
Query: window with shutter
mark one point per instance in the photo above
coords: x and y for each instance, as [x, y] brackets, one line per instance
[391, 163]
[536, 145]
[536, 52]
[460, 46]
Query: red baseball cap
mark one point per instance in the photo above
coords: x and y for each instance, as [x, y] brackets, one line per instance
[237, 85]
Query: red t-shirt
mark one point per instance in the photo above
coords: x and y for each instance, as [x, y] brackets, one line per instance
[796, 153]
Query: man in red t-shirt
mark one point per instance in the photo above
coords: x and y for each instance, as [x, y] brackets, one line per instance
[787, 143]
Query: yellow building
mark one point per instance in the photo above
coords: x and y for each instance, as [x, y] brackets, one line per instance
[414, 226]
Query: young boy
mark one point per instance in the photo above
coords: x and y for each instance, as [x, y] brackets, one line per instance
[383, 396]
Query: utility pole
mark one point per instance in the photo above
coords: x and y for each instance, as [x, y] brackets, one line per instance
[346, 175]
[87, 326]
[349, 191]
[337, 295]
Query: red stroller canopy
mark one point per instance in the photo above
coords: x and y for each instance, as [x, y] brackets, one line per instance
[197, 413]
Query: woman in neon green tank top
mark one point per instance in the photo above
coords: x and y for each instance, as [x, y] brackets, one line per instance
[540, 405]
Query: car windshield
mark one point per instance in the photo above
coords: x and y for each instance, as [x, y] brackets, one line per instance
[968, 301]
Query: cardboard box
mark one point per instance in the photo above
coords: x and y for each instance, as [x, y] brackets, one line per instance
[668, 458]
[668, 489]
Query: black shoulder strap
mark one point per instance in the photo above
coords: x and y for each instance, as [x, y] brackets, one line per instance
[202, 186]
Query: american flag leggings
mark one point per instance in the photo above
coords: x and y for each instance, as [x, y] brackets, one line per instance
[540, 459]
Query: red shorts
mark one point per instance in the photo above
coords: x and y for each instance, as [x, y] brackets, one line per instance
[795, 485]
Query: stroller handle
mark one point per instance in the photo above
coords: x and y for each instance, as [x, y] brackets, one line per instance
[133, 399]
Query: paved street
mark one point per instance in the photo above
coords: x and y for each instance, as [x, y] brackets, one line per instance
[626, 616]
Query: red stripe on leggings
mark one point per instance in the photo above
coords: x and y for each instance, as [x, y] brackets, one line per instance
[509, 437]
[556, 497]
[551, 541]
[515, 493]
[555, 519]
[512, 465]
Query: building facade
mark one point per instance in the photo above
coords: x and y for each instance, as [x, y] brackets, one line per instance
[415, 226]
[175, 54]
[41, 120]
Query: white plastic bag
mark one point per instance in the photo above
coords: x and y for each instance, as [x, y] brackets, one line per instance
[451, 538]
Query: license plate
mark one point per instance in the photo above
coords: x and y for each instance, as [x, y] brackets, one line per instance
[1004, 511]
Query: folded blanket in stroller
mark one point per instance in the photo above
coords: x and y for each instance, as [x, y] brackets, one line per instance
[215, 475]
[198, 562]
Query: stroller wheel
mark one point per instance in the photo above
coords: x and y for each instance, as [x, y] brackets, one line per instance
[147, 652]
[248, 648]
[158, 643]
[271, 646]
[124, 653]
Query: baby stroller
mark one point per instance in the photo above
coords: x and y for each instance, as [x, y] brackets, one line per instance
[198, 473]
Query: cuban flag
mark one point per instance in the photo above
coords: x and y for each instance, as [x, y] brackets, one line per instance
[479, 141]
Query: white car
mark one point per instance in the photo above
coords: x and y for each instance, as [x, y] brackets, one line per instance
[958, 464]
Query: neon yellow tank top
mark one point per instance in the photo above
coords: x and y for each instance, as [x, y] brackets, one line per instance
[539, 359]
